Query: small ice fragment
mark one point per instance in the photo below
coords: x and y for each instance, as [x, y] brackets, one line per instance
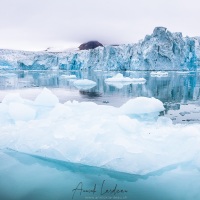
[84, 84]
[21, 112]
[46, 98]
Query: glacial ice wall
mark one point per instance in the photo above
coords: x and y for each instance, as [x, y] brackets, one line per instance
[162, 50]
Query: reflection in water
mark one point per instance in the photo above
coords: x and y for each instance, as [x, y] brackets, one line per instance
[90, 94]
[174, 90]
[29, 177]
[176, 87]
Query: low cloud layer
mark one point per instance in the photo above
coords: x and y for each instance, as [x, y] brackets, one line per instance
[38, 24]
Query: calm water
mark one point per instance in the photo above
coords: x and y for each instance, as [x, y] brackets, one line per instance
[26, 177]
[179, 91]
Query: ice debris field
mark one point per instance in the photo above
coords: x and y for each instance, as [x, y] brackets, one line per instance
[131, 138]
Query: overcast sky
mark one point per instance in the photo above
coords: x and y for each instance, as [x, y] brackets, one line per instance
[38, 24]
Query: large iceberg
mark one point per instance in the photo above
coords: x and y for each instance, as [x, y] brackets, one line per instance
[162, 50]
[99, 135]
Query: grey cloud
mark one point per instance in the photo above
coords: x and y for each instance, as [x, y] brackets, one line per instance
[34, 24]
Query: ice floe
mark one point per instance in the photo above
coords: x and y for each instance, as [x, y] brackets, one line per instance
[84, 84]
[119, 81]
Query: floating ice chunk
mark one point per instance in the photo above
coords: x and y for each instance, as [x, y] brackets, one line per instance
[21, 112]
[84, 84]
[68, 76]
[14, 97]
[142, 105]
[120, 78]
[46, 98]
[159, 74]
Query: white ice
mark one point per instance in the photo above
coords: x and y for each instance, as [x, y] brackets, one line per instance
[142, 105]
[84, 84]
[120, 78]
[159, 74]
[99, 135]
[21, 112]
[46, 98]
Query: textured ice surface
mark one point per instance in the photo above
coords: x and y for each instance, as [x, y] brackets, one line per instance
[99, 135]
[162, 50]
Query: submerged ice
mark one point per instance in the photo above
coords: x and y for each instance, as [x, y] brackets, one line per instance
[132, 138]
[162, 50]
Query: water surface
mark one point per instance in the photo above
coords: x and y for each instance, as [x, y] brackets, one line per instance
[179, 91]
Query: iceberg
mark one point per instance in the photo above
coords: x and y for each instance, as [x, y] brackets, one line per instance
[119, 80]
[159, 74]
[84, 84]
[142, 105]
[99, 135]
[161, 50]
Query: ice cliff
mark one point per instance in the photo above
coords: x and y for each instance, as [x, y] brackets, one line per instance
[162, 50]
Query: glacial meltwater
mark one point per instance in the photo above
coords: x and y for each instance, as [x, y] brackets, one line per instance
[166, 165]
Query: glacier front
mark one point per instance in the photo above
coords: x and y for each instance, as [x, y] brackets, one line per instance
[162, 50]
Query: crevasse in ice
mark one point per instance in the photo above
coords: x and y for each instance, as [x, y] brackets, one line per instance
[162, 50]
